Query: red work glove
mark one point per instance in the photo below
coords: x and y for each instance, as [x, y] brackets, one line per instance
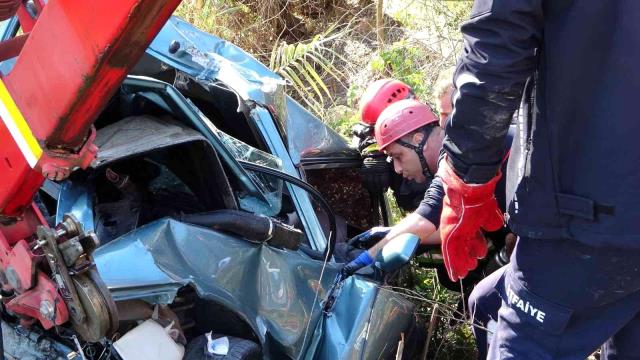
[466, 210]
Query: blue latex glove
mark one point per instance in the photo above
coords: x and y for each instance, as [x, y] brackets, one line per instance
[361, 261]
[370, 237]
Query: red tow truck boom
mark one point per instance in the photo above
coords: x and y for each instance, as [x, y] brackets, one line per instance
[71, 59]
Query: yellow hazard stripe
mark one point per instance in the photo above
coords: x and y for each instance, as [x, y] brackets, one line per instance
[18, 127]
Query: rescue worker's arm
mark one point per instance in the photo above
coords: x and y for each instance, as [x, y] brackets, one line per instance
[501, 41]
[423, 222]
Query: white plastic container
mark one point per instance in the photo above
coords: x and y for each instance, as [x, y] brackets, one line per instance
[149, 341]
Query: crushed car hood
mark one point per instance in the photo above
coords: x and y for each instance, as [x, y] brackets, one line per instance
[273, 290]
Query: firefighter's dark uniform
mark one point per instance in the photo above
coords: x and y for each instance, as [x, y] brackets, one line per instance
[574, 170]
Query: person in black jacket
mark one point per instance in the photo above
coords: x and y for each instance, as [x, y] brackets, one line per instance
[574, 277]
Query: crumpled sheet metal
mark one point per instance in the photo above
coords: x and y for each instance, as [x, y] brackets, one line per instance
[344, 330]
[272, 289]
[139, 134]
[366, 323]
[210, 59]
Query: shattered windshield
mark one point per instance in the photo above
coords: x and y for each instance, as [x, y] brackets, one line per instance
[247, 153]
[270, 187]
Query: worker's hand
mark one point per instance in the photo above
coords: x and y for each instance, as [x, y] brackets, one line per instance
[375, 172]
[347, 251]
[361, 261]
[368, 238]
[466, 210]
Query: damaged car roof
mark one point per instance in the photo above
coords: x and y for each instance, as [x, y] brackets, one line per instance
[140, 134]
[210, 59]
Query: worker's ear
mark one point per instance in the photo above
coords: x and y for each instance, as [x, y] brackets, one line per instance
[417, 138]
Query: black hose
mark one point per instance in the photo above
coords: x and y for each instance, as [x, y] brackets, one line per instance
[247, 225]
[252, 227]
[328, 251]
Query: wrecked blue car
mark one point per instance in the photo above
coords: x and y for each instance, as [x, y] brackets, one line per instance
[200, 198]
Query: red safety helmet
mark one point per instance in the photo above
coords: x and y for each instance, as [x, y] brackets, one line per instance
[379, 95]
[402, 118]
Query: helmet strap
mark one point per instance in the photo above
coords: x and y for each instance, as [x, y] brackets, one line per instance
[419, 150]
